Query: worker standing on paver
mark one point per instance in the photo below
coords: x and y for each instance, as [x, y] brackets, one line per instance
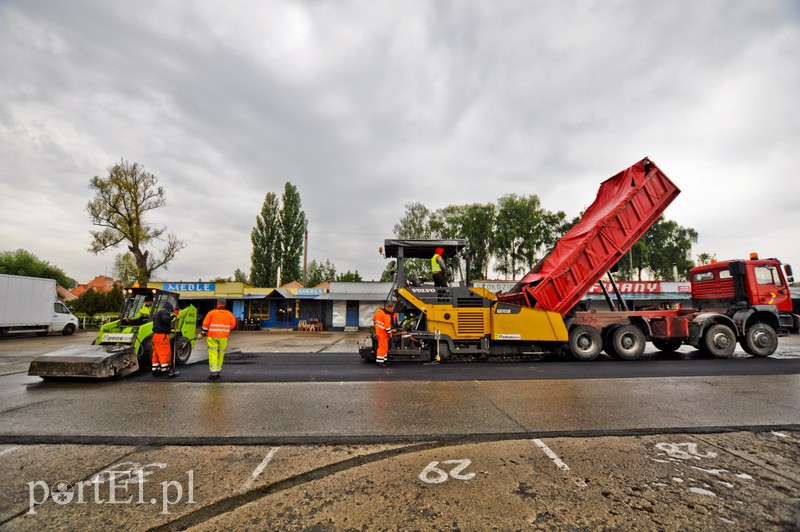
[217, 326]
[383, 320]
[162, 350]
[438, 268]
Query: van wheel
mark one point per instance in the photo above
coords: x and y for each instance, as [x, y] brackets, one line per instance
[719, 340]
[760, 340]
[628, 342]
[585, 342]
[69, 329]
[182, 349]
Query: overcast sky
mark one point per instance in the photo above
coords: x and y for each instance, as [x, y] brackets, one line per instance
[366, 106]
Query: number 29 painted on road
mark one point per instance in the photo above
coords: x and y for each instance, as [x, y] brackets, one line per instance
[433, 475]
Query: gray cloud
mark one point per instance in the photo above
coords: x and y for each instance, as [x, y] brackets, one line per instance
[366, 106]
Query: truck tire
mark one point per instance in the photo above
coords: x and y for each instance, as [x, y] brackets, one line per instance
[628, 341]
[585, 342]
[608, 340]
[760, 340]
[182, 347]
[719, 340]
[69, 329]
[666, 346]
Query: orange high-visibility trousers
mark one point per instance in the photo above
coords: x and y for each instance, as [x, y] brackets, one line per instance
[383, 344]
[162, 354]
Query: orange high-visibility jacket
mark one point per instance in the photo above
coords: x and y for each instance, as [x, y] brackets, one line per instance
[219, 323]
[382, 321]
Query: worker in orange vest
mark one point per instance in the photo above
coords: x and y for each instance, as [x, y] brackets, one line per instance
[383, 320]
[217, 326]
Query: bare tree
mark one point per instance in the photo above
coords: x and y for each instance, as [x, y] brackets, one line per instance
[121, 201]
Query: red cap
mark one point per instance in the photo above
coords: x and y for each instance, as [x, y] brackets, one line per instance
[440, 251]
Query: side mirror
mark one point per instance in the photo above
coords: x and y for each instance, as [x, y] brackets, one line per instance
[789, 274]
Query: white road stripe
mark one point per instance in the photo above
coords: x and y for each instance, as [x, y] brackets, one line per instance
[550, 454]
[4, 451]
[260, 469]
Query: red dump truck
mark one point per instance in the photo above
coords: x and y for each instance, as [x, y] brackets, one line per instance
[738, 300]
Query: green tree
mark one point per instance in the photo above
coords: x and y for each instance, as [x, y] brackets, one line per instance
[477, 228]
[239, 276]
[120, 205]
[348, 276]
[21, 262]
[515, 232]
[705, 258]
[664, 245]
[265, 237]
[114, 299]
[125, 269]
[416, 224]
[319, 272]
[292, 231]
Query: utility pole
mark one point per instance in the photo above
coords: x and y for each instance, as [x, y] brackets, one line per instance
[305, 256]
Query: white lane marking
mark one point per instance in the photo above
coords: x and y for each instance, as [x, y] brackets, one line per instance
[701, 491]
[550, 454]
[744, 476]
[710, 471]
[260, 469]
[6, 451]
[558, 462]
[780, 434]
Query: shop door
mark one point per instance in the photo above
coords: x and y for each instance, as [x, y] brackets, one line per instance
[351, 316]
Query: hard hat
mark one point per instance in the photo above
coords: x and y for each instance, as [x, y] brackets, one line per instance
[440, 251]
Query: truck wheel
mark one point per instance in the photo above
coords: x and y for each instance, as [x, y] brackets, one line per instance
[760, 340]
[666, 346]
[585, 342]
[145, 354]
[719, 340]
[182, 349]
[69, 329]
[608, 340]
[628, 341]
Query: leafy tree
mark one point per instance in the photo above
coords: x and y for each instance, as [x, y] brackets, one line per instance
[125, 269]
[515, 232]
[348, 276]
[319, 272]
[265, 237]
[705, 258]
[663, 245]
[120, 204]
[21, 262]
[293, 225]
[415, 223]
[239, 276]
[477, 228]
[114, 299]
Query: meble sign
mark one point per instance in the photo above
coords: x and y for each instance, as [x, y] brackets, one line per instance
[189, 287]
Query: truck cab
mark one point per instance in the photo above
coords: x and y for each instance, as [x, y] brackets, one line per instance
[746, 287]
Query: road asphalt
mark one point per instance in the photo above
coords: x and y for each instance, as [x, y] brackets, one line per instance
[670, 453]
